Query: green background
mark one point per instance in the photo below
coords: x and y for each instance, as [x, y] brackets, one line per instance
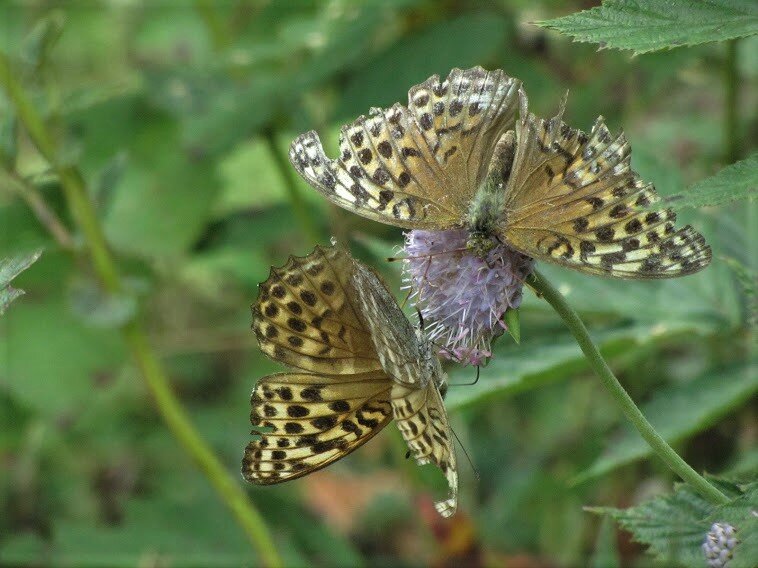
[180, 116]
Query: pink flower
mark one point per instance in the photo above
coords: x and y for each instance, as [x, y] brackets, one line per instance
[463, 296]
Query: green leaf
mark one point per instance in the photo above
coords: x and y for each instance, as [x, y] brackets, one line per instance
[103, 189]
[466, 41]
[98, 308]
[76, 356]
[706, 302]
[215, 273]
[675, 526]
[177, 534]
[162, 201]
[515, 368]
[738, 181]
[252, 160]
[659, 24]
[8, 138]
[9, 269]
[513, 323]
[39, 42]
[672, 526]
[680, 411]
[749, 280]
[742, 514]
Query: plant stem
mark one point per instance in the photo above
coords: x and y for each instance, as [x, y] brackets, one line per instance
[731, 102]
[541, 285]
[307, 226]
[152, 371]
[214, 23]
[45, 215]
[178, 422]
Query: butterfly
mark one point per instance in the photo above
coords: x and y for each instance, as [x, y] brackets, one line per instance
[457, 156]
[356, 363]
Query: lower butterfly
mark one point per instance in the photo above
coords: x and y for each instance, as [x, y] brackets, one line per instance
[356, 363]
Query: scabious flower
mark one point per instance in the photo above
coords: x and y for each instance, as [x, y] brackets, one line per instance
[463, 295]
[719, 544]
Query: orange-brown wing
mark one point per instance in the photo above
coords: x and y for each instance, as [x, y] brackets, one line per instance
[305, 316]
[417, 166]
[422, 420]
[311, 421]
[573, 199]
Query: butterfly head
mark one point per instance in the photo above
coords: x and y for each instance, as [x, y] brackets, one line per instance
[480, 243]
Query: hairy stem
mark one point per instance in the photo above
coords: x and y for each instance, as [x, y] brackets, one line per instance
[541, 285]
[151, 369]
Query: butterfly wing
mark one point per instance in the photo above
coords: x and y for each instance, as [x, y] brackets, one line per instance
[417, 166]
[422, 420]
[573, 199]
[305, 317]
[312, 421]
[395, 341]
[416, 402]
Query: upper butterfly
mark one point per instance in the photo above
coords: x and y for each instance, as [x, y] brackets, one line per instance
[457, 157]
[358, 363]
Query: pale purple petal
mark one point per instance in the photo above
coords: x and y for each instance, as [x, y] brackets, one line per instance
[463, 296]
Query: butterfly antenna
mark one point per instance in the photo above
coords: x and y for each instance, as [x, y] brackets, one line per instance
[407, 297]
[476, 380]
[468, 457]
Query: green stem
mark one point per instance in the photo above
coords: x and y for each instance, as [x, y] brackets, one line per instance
[45, 215]
[214, 23]
[622, 398]
[731, 103]
[71, 181]
[152, 371]
[178, 422]
[304, 219]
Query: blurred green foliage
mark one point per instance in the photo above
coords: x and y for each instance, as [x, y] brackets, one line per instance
[179, 116]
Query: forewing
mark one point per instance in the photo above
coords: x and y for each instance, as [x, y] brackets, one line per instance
[395, 341]
[573, 199]
[312, 421]
[422, 420]
[417, 166]
[305, 316]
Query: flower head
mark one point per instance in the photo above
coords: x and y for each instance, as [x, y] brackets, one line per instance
[719, 543]
[463, 295]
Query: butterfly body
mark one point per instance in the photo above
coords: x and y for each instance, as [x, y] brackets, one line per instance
[357, 364]
[458, 156]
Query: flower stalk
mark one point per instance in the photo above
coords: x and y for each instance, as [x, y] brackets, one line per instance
[546, 290]
[153, 373]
